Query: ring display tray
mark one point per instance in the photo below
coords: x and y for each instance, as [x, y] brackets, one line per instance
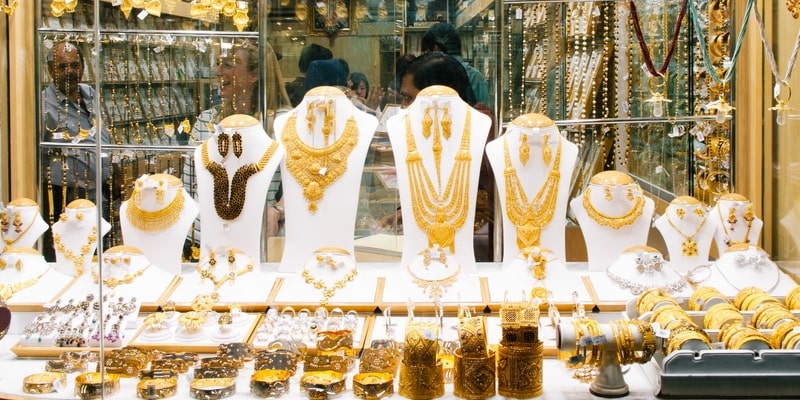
[205, 340]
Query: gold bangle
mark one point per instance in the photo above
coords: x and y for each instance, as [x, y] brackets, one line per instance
[700, 298]
[243, 351]
[222, 362]
[793, 298]
[744, 293]
[125, 367]
[678, 340]
[279, 359]
[791, 340]
[158, 388]
[756, 300]
[212, 388]
[472, 333]
[421, 380]
[378, 360]
[90, 385]
[720, 315]
[66, 366]
[319, 362]
[216, 372]
[336, 342]
[373, 385]
[176, 365]
[421, 346]
[474, 377]
[322, 384]
[44, 382]
[648, 341]
[519, 371]
[270, 383]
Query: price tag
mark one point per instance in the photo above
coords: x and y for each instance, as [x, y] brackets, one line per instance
[598, 340]
[158, 49]
[518, 14]
[717, 346]
[142, 15]
[585, 341]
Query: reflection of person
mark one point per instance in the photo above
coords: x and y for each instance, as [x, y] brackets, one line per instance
[331, 72]
[360, 93]
[296, 88]
[443, 37]
[68, 117]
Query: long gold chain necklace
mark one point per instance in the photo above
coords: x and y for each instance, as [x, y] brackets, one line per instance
[112, 282]
[229, 196]
[77, 260]
[689, 245]
[230, 276]
[531, 217]
[4, 233]
[748, 217]
[317, 168]
[9, 290]
[614, 222]
[159, 220]
[440, 215]
[329, 290]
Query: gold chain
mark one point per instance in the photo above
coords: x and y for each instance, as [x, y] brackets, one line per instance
[229, 197]
[440, 215]
[159, 220]
[689, 245]
[113, 282]
[614, 222]
[329, 291]
[9, 290]
[78, 260]
[531, 217]
[317, 168]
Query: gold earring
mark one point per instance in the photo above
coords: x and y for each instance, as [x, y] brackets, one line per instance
[732, 220]
[311, 118]
[629, 195]
[79, 216]
[212, 258]
[427, 121]
[426, 258]
[547, 152]
[699, 212]
[17, 223]
[222, 144]
[524, 149]
[237, 145]
[446, 123]
[18, 265]
[160, 193]
[2, 264]
[748, 215]
[609, 197]
[4, 221]
[443, 258]
[137, 193]
[680, 212]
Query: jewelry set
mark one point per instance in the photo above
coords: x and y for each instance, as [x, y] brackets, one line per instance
[328, 277]
[161, 219]
[689, 246]
[207, 268]
[634, 195]
[87, 248]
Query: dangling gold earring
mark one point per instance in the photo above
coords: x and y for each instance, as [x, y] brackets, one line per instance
[748, 215]
[4, 221]
[446, 123]
[732, 220]
[18, 265]
[137, 193]
[680, 212]
[547, 152]
[212, 258]
[327, 124]
[524, 149]
[443, 258]
[237, 145]
[427, 121]
[160, 193]
[426, 258]
[629, 195]
[609, 197]
[222, 144]
[311, 118]
[17, 223]
[231, 257]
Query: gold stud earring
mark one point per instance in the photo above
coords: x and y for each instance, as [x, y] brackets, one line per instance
[231, 256]
[609, 197]
[699, 212]
[79, 216]
[427, 122]
[2, 264]
[212, 258]
[446, 123]
[629, 195]
[18, 265]
[680, 212]
[547, 152]
[524, 149]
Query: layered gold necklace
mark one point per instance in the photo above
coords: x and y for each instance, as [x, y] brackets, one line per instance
[159, 220]
[617, 221]
[229, 196]
[531, 217]
[689, 245]
[439, 214]
[317, 168]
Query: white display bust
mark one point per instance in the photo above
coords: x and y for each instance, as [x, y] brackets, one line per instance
[743, 265]
[687, 233]
[734, 221]
[544, 184]
[22, 223]
[321, 177]
[157, 218]
[236, 219]
[618, 217]
[75, 237]
[127, 272]
[452, 182]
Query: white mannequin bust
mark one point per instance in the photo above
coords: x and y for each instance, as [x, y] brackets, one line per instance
[22, 223]
[240, 181]
[127, 272]
[156, 219]
[614, 215]
[791, 223]
[75, 237]
[453, 182]
[687, 233]
[321, 177]
[743, 265]
[734, 222]
[544, 185]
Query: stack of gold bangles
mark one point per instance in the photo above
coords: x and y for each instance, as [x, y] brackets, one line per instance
[475, 366]
[652, 299]
[793, 298]
[771, 315]
[627, 352]
[736, 337]
[786, 336]
[421, 373]
[377, 368]
[721, 315]
[705, 297]
[754, 299]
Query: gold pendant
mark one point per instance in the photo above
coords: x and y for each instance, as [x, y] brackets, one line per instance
[547, 152]
[83, 134]
[528, 235]
[689, 247]
[539, 292]
[442, 234]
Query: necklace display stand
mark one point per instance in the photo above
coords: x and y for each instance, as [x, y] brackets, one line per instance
[618, 217]
[744, 265]
[234, 169]
[326, 140]
[734, 221]
[157, 218]
[686, 232]
[75, 237]
[22, 223]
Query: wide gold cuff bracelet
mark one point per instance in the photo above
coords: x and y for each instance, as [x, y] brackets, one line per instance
[519, 371]
[319, 362]
[215, 372]
[212, 388]
[270, 383]
[157, 388]
[421, 381]
[222, 362]
[277, 359]
[373, 385]
[44, 382]
[66, 366]
[90, 386]
[378, 360]
[474, 377]
[177, 365]
[321, 385]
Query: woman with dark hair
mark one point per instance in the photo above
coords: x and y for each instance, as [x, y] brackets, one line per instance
[435, 68]
[360, 94]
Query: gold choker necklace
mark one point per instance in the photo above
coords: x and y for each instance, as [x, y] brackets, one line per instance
[614, 222]
[434, 288]
[317, 168]
[438, 214]
[159, 220]
[77, 260]
[531, 217]
[113, 282]
[229, 196]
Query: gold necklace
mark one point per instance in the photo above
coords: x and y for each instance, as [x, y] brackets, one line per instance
[748, 217]
[531, 217]
[159, 220]
[329, 291]
[317, 168]
[614, 222]
[689, 245]
[7, 291]
[440, 215]
[113, 282]
[9, 242]
[230, 276]
[77, 260]
[229, 196]
[435, 288]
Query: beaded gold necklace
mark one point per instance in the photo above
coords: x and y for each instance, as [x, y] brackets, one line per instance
[77, 260]
[317, 168]
[112, 282]
[159, 220]
[438, 214]
[614, 222]
[531, 217]
[229, 196]
[689, 245]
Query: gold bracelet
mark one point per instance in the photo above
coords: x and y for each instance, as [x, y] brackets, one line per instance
[793, 298]
[624, 341]
[754, 301]
[215, 372]
[44, 382]
[743, 294]
[519, 371]
[373, 385]
[378, 360]
[176, 365]
[472, 333]
[421, 380]
[322, 384]
[90, 385]
[474, 377]
[648, 341]
[222, 362]
[158, 388]
[66, 366]
[319, 362]
[270, 383]
[781, 333]
[700, 298]
[243, 351]
[278, 359]
[421, 346]
[212, 388]
[720, 315]
[678, 340]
